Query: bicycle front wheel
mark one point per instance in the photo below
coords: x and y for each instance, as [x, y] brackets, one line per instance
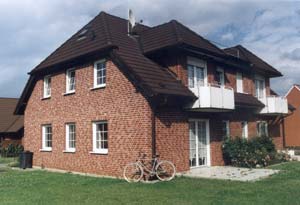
[165, 170]
[133, 172]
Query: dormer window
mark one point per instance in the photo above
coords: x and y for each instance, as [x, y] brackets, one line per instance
[47, 87]
[82, 34]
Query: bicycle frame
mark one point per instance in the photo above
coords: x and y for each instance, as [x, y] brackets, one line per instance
[151, 171]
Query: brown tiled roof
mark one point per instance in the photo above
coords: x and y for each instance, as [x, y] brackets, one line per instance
[174, 33]
[247, 100]
[256, 62]
[9, 122]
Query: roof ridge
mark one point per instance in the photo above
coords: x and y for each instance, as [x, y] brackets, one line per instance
[106, 28]
[177, 35]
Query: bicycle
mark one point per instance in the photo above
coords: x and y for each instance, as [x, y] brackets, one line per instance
[163, 170]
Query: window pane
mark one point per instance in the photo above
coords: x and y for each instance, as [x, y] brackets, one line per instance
[48, 136]
[101, 141]
[71, 80]
[200, 76]
[101, 73]
[47, 86]
[72, 135]
[190, 76]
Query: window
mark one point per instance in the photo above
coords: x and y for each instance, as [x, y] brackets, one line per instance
[47, 137]
[244, 129]
[220, 78]
[260, 88]
[100, 137]
[262, 129]
[239, 83]
[47, 87]
[70, 137]
[225, 129]
[70, 81]
[100, 74]
[195, 76]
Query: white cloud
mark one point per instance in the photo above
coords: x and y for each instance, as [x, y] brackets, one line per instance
[227, 37]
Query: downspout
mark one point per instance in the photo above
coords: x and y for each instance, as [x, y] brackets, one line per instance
[153, 131]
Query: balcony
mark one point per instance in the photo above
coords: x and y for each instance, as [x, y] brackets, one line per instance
[213, 97]
[274, 105]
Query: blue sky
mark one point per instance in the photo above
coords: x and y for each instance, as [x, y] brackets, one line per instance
[32, 29]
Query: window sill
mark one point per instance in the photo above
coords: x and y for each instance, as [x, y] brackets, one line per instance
[99, 153]
[46, 98]
[69, 93]
[45, 150]
[69, 151]
[98, 87]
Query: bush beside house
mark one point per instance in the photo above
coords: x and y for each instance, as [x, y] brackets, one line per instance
[12, 150]
[255, 152]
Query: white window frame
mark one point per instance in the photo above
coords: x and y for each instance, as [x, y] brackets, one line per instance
[95, 149]
[96, 85]
[207, 140]
[68, 148]
[47, 87]
[221, 70]
[195, 62]
[244, 125]
[260, 78]
[239, 82]
[44, 144]
[227, 134]
[68, 77]
[265, 127]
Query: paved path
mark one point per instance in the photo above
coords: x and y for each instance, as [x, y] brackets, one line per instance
[230, 173]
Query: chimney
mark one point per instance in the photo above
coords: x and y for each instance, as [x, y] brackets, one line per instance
[131, 22]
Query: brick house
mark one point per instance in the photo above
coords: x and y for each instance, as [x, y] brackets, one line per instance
[11, 126]
[291, 122]
[112, 91]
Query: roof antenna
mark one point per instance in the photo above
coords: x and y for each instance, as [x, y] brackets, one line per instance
[131, 21]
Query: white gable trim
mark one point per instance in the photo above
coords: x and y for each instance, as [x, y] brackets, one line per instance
[290, 90]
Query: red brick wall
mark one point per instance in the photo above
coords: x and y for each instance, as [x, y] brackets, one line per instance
[127, 112]
[172, 137]
[292, 122]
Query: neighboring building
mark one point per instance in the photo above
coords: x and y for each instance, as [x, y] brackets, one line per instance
[292, 121]
[106, 95]
[11, 126]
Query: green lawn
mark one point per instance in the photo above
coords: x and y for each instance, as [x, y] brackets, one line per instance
[41, 187]
[5, 160]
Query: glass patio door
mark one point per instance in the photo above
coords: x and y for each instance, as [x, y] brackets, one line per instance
[199, 143]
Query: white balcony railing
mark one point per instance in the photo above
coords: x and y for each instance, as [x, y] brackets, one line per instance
[214, 97]
[274, 105]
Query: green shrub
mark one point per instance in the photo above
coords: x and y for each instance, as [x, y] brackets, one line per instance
[12, 150]
[258, 151]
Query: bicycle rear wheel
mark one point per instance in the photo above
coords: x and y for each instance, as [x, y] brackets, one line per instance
[133, 172]
[165, 170]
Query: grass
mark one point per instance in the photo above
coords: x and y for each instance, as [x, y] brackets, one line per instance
[41, 187]
[6, 160]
